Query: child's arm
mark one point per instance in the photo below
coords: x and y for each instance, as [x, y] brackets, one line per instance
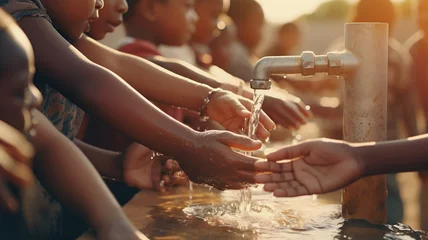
[16, 155]
[105, 95]
[285, 112]
[71, 178]
[322, 166]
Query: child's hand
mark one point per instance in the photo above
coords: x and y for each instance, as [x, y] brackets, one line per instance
[16, 154]
[143, 170]
[288, 111]
[212, 161]
[316, 167]
[231, 110]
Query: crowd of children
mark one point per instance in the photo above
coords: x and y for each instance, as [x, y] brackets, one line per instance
[99, 124]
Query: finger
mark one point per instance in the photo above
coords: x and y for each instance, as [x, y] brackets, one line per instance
[291, 192]
[247, 104]
[7, 201]
[282, 120]
[17, 144]
[232, 186]
[297, 114]
[291, 152]
[266, 121]
[262, 132]
[244, 162]
[270, 187]
[167, 179]
[274, 177]
[275, 167]
[239, 142]
[18, 173]
[305, 109]
[245, 176]
[292, 115]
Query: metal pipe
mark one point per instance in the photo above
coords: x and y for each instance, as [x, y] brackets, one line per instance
[365, 112]
[334, 63]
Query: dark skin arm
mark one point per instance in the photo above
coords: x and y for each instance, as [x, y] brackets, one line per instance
[322, 166]
[169, 88]
[59, 163]
[105, 95]
[107, 163]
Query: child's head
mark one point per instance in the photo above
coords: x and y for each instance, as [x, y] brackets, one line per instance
[110, 17]
[18, 95]
[71, 17]
[209, 12]
[423, 15]
[169, 22]
[249, 20]
[288, 37]
[220, 46]
[382, 11]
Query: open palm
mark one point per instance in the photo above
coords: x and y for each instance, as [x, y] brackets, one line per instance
[316, 167]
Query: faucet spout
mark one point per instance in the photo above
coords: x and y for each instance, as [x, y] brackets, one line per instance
[334, 63]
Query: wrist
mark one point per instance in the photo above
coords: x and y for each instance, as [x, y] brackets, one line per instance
[360, 152]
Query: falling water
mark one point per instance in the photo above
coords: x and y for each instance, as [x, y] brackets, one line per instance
[244, 196]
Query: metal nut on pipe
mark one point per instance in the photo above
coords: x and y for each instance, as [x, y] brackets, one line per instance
[308, 63]
[334, 63]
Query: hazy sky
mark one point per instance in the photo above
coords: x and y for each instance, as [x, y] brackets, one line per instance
[288, 10]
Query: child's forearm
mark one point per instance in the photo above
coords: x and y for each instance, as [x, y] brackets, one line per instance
[66, 172]
[147, 78]
[107, 163]
[187, 70]
[395, 156]
[104, 94]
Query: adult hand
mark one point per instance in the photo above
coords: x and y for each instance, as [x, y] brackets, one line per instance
[314, 167]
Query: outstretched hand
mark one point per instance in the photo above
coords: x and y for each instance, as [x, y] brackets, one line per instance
[313, 167]
[231, 111]
[286, 110]
[144, 170]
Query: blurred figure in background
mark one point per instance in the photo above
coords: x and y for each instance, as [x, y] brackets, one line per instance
[418, 48]
[249, 20]
[288, 39]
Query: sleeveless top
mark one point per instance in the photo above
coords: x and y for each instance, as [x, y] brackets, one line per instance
[62, 113]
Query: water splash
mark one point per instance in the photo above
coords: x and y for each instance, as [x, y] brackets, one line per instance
[190, 190]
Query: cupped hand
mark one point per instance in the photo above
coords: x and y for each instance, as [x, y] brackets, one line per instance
[286, 110]
[16, 153]
[145, 170]
[231, 111]
[212, 161]
[313, 167]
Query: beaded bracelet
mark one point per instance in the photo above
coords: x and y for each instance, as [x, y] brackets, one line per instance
[207, 100]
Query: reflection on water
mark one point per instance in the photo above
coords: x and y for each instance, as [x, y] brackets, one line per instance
[213, 215]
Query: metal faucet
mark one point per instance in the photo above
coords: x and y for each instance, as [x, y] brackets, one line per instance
[365, 69]
[333, 63]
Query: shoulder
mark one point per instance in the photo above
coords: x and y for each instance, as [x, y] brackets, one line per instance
[24, 8]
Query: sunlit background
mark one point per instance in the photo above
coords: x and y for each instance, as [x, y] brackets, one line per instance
[279, 11]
